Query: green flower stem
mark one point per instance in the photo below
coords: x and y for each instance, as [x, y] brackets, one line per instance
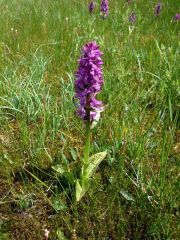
[85, 163]
[87, 142]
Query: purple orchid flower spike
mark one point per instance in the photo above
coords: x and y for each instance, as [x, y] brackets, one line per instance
[104, 8]
[132, 17]
[88, 83]
[92, 6]
[158, 9]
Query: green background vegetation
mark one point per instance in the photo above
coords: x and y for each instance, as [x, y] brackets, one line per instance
[134, 192]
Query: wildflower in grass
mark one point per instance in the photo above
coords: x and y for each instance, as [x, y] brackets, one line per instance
[88, 83]
[157, 9]
[177, 17]
[104, 8]
[91, 6]
[132, 17]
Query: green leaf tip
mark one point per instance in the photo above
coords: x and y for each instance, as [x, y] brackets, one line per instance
[94, 162]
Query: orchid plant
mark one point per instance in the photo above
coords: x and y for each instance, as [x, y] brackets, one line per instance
[91, 6]
[104, 8]
[88, 83]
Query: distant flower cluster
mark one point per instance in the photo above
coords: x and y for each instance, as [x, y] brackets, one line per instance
[133, 17]
[104, 7]
[89, 80]
[104, 10]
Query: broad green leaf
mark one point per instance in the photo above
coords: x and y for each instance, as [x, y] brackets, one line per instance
[58, 204]
[73, 154]
[59, 168]
[94, 162]
[127, 195]
[80, 191]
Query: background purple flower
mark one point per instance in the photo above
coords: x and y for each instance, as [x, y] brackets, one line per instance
[177, 17]
[89, 80]
[132, 17]
[129, 1]
[104, 8]
[157, 9]
[91, 6]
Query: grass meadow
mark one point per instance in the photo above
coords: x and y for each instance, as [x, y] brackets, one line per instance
[134, 192]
